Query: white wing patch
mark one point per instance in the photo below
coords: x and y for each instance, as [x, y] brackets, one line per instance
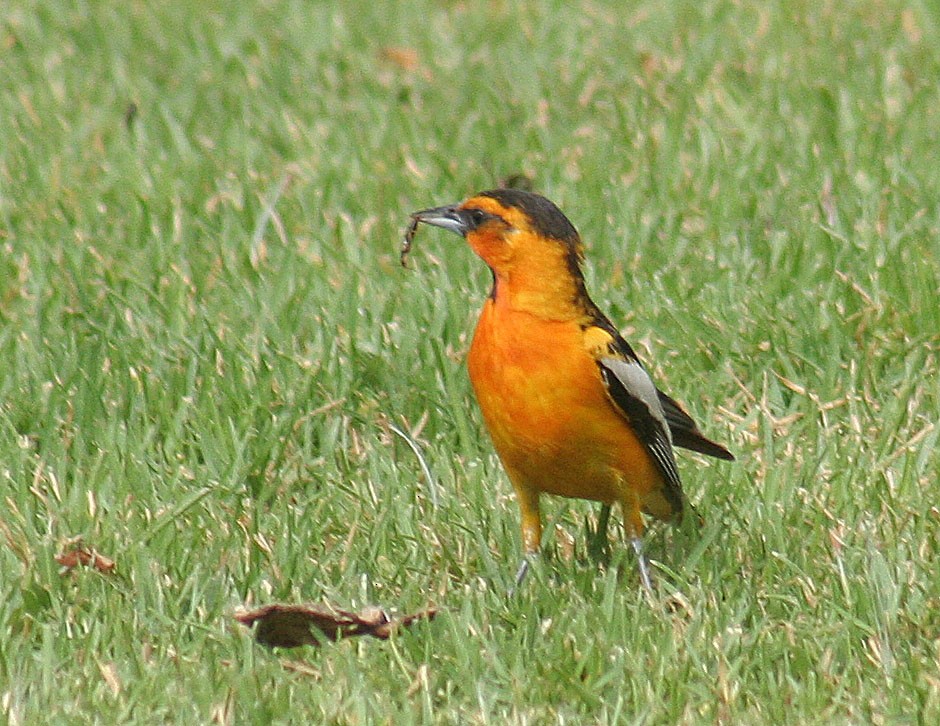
[634, 393]
[636, 381]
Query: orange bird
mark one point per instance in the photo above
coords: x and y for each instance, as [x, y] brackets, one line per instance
[569, 406]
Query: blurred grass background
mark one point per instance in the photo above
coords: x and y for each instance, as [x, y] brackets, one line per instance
[206, 341]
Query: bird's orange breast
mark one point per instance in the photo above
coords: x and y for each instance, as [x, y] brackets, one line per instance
[548, 414]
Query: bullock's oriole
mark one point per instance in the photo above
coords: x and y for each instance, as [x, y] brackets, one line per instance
[570, 408]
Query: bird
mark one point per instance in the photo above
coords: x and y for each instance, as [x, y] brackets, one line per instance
[569, 407]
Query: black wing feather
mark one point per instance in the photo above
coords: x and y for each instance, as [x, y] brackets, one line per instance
[686, 434]
[649, 428]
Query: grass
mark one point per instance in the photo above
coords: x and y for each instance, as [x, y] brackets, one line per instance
[206, 342]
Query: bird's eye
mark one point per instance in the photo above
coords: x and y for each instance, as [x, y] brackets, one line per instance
[477, 217]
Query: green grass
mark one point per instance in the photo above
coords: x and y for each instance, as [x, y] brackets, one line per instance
[205, 339]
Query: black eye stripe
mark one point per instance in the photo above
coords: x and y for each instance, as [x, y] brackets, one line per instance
[476, 217]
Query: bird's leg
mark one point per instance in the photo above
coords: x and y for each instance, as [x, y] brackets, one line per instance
[520, 575]
[633, 521]
[644, 564]
[531, 533]
[597, 544]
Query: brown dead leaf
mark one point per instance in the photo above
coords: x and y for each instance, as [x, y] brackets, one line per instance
[78, 554]
[405, 58]
[290, 626]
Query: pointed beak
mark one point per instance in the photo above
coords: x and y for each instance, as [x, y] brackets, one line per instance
[449, 217]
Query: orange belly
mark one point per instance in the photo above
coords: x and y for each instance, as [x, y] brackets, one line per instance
[547, 411]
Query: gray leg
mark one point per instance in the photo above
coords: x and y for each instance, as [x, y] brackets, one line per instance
[520, 575]
[644, 564]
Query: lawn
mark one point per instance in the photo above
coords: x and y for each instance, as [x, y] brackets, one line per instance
[217, 381]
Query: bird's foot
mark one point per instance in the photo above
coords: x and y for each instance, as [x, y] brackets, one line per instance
[521, 573]
[644, 565]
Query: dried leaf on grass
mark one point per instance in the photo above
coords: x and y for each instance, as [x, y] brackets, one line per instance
[77, 554]
[404, 58]
[290, 626]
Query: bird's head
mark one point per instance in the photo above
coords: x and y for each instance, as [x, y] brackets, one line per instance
[528, 243]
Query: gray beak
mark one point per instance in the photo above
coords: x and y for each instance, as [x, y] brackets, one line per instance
[448, 217]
